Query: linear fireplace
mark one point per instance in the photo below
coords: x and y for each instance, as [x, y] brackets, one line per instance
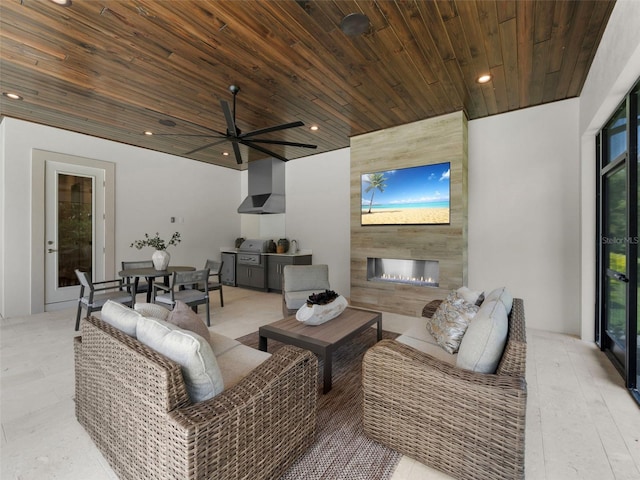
[424, 273]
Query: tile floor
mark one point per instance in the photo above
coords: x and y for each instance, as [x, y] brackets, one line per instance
[581, 422]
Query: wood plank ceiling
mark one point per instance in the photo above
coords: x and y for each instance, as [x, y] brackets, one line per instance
[115, 68]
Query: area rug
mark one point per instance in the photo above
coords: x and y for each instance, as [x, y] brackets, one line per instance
[341, 450]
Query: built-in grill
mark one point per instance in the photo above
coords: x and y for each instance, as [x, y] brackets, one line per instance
[250, 252]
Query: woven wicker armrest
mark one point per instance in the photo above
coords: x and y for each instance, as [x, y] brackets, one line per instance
[430, 308]
[256, 429]
[393, 358]
[466, 424]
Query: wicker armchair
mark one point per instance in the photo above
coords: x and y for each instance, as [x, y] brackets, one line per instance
[133, 403]
[466, 424]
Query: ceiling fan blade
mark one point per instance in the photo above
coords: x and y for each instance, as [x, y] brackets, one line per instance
[272, 129]
[207, 146]
[231, 126]
[278, 142]
[236, 151]
[263, 150]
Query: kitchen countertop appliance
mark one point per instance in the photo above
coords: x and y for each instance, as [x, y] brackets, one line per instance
[251, 269]
[250, 252]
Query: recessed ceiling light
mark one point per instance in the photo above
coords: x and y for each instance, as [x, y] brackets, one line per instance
[148, 132]
[314, 127]
[12, 96]
[486, 78]
[62, 3]
[226, 154]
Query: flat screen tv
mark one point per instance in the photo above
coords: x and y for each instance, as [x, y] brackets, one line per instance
[406, 196]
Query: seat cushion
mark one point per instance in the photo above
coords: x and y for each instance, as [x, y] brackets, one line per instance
[121, 317]
[186, 296]
[185, 318]
[483, 343]
[450, 321]
[238, 361]
[202, 375]
[220, 344]
[295, 300]
[419, 338]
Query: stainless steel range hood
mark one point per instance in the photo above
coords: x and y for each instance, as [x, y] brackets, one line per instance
[266, 187]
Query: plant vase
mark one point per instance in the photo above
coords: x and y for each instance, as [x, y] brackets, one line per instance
[160, 259]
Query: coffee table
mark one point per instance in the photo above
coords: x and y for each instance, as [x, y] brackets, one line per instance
[321, 339]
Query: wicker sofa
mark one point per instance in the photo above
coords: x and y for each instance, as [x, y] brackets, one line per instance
[134, 404]
[469, 425]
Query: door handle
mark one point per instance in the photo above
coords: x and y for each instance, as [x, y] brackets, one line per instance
[617, 275]
[621, 276]
[51, 250]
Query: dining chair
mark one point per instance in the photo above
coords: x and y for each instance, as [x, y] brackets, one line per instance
[188, 287]
[215, 269]
[93, 299]
[141, 286]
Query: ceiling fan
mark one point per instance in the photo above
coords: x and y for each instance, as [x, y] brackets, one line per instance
[236, 137]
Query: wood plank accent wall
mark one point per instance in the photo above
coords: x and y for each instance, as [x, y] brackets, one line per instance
[435, 140]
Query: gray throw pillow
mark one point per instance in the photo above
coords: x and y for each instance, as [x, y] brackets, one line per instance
[193, 353]
[501, 294]
[120, 316]
[185, 318]
[483, 343]
[152, 310]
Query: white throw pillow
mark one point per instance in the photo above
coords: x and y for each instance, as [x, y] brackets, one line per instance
[193, 353]
[470, 296]
[120, 316]
[483, 343]
[503, 295]
[152, 310]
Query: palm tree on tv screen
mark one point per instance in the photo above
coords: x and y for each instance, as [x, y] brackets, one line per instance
[376, 182]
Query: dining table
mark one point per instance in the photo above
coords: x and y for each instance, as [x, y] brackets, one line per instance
[150, 273]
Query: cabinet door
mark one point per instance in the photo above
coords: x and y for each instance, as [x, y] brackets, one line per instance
[274, 276]
[276, 267]
[248, 276]
[243, 275]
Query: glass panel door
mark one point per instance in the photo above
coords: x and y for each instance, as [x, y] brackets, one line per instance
[615, 260]
[618, 263]
[635, 228]
[75, 228]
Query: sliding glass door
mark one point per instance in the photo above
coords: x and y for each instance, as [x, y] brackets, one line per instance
[618, 292]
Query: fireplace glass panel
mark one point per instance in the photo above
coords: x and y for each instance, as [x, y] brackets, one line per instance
[413, 272]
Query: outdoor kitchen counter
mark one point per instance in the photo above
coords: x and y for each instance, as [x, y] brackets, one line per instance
[262, 271]
[298, 253]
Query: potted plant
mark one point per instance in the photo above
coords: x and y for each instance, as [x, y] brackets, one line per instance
[160, 256]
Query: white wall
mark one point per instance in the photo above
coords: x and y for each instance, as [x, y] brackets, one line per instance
[317, 190]
[531, 196]
[150, 188]
[614, 71]
[524, 211]
[3, 191]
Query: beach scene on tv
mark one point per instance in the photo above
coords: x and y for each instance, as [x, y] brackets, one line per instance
[407, 196]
